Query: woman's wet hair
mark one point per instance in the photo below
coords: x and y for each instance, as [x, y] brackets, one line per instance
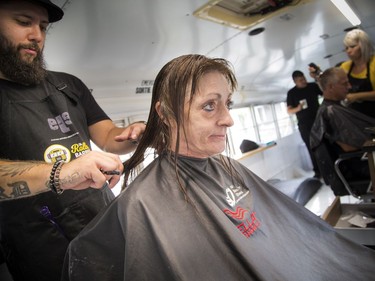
[176, 82]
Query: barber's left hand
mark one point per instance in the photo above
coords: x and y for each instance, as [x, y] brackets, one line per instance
[133, 132]
[350, 98]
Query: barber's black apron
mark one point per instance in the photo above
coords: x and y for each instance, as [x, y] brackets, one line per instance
[362, 85]
[35, 231]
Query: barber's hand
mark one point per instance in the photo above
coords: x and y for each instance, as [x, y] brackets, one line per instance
[89, 171]
[132, 133]
[350, 98]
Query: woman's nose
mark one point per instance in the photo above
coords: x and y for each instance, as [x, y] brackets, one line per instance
[226, 118]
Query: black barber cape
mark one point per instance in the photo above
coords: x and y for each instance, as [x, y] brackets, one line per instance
[226, 232]
[338, 123]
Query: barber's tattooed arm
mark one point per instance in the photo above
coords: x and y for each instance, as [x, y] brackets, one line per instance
[70, 179]
[22, 179]
[95, 169]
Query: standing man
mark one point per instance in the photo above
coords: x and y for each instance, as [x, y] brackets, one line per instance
[303, 100]
[47, 120]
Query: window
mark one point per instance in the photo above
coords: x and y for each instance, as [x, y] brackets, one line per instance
[243, 128]
[259, 123]
[266, 123]
[286, 122]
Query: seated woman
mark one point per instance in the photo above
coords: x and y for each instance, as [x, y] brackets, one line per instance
[194, 214]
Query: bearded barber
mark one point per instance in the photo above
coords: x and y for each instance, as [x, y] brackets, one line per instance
[50, 180]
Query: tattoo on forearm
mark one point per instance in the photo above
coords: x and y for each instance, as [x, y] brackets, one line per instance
[19, 189]
[17, 169]
[70, 179]
[2, 194]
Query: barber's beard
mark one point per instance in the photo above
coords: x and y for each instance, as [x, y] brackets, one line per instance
[17, 69]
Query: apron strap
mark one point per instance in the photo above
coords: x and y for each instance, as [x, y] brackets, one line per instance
[62, 87]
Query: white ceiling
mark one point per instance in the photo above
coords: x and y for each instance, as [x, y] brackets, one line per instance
[114, 45]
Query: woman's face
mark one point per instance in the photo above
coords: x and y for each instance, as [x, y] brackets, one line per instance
[353, 51]
[207, 122]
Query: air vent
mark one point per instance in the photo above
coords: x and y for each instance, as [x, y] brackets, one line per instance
[242, 14]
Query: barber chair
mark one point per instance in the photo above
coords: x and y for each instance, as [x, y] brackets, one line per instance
[299, 189]
[338, 172]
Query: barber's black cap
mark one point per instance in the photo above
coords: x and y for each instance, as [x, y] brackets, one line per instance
[55, 13]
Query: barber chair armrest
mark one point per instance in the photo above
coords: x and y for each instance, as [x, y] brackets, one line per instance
[346, 156]
[352, 154]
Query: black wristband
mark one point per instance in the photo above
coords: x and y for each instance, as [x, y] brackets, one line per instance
[54, 179]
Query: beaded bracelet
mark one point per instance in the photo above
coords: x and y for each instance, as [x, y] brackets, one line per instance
[54, 179]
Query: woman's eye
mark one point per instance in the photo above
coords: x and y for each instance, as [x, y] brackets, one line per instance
[350, 47]
[209, 107]
[230, 105]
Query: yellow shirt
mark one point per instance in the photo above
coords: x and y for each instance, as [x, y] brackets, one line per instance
[346, 66]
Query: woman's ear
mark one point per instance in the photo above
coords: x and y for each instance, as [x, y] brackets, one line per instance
[159, 110]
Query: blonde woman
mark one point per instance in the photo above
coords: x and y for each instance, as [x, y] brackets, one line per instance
[360, 69]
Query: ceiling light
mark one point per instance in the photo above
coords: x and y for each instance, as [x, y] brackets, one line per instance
[347, 11]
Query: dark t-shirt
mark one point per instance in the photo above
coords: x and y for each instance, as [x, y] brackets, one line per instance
[311, 95]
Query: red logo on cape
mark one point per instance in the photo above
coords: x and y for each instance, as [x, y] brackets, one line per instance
[248, 223]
